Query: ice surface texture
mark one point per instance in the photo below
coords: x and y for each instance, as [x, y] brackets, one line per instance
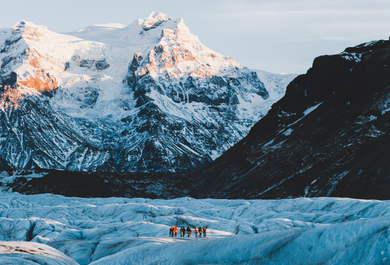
[135, 231]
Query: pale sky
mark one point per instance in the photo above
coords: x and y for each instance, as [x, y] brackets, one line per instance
[279, 36]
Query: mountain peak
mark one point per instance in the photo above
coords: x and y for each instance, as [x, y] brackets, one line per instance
[29, 30]
[154, 20]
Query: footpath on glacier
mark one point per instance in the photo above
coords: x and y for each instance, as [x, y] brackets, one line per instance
[52, 229]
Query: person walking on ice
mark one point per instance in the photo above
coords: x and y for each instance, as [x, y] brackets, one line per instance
[196, 231]
[175, 231]
[182, 231]
[204, 231]
[200, 232]
[171, 231]
[189, 231]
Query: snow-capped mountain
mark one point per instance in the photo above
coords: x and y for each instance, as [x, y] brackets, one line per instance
[328, 136]
[144, 97]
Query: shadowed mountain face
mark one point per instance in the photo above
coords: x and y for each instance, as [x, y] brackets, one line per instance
[165, 185]
[328, 136]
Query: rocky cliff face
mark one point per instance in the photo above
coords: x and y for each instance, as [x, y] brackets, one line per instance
[189, 100]
[328, 136]
[33, 133]
[144, 97]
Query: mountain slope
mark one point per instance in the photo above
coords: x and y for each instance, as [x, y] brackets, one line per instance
[328, 136]
[139, 98]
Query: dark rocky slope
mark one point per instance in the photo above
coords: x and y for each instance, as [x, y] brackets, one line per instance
[328, 136]
[165, 185]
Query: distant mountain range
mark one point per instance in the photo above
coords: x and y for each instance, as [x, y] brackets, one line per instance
[148, 97]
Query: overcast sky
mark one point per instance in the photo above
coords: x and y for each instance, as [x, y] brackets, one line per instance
[280, 36]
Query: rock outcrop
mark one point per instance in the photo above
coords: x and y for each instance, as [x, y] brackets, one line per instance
[328, 136]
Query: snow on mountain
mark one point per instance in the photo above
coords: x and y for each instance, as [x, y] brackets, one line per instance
[144, 97]
[275, 83]
[135, 231]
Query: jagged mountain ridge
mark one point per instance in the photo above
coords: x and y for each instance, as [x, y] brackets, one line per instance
[328, 136]
[143, 97]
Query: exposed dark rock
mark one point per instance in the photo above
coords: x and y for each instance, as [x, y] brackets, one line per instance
[87, 63]
[88, 96]
[98, 65]
[50, 93]
[83, 184]
[154, 26]
[328, 136]
[101, 65]
[44, 138]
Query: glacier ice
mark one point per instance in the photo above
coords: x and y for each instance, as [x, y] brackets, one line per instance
[135, 231]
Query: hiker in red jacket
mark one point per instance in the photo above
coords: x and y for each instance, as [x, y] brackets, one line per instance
[175, 231]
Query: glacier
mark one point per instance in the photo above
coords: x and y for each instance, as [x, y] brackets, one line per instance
[52, 229]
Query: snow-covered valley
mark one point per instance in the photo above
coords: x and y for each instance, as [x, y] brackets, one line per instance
[135, 231]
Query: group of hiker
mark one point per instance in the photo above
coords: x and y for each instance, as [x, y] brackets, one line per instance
[199, 232]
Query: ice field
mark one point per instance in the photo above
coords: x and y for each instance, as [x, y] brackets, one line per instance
[51, 229]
